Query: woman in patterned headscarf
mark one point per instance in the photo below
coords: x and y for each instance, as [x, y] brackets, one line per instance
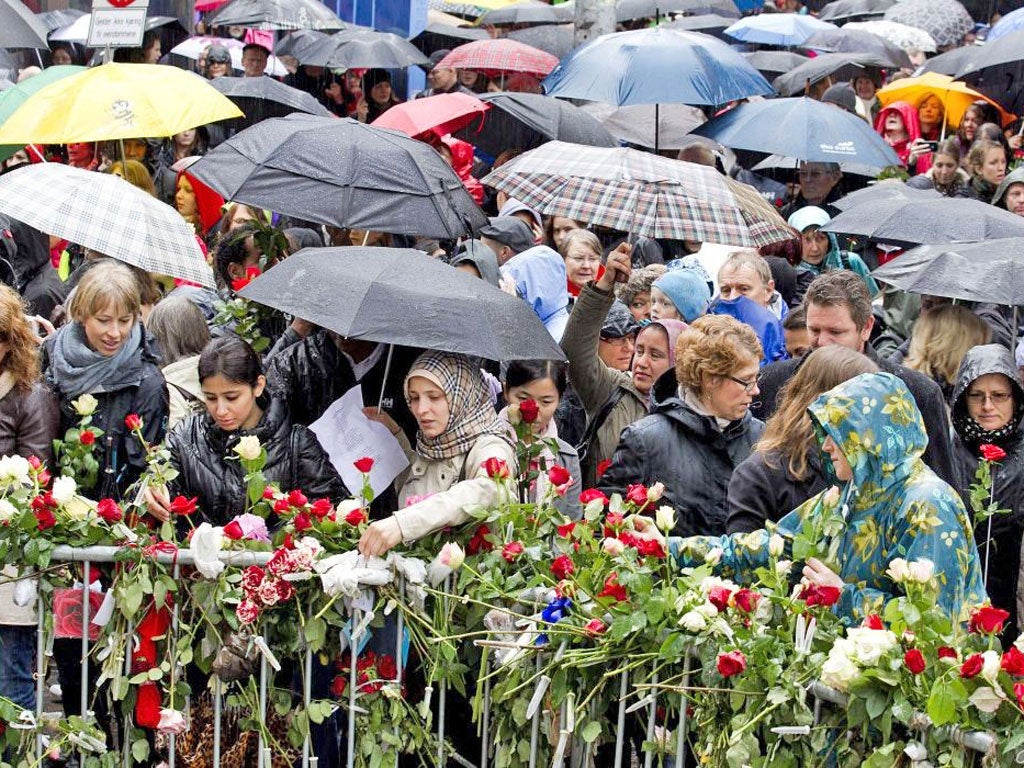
[459, 432]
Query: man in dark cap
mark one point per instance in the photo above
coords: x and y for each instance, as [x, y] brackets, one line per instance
[507, 236]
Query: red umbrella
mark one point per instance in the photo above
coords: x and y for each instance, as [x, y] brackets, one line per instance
[499, 56]
[441, 114]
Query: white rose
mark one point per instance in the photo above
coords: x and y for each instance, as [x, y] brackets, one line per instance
[714, 557]
[206, 545]
[613, 547]
[85, 405]
[783, 567]
[249, 447]
[14, 470]
[655, 492]
[776, 545]
[987, 699]
[451, 555]
[665, 518]
[707, 610]
[839, 671]
[898, 570]
[990, 668]
[921, 571]
[710, 582]
[7, 511]
[64, 489]
[693, 621]
[346, 506]
[869, 645]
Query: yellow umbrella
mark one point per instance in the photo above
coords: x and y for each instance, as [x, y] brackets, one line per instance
[117, 101]
[954, 95]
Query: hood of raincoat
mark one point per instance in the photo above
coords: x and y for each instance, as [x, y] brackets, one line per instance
[480, 256]
[1016, 176]
[979, 361]
[462, 164]
[539, 275]
[910, 123]
[208, 202]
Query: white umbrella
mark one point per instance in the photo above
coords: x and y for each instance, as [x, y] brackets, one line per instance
[901, 35]
[194, 46]
[107, 214]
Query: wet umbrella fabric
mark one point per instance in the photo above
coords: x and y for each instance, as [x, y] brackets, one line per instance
[297, 41]
[636, 124]
[19, 27]
[402, 296]
[997, 70]
[343, 173]
[556, 39]
[961, 271]
[362, 48]
[59, 19]
[952, 62]
[442, 114]
[630, 10]
[276, 14]
[777, 29]
[437, 35]
[947, 21]
[901, 35]
[709, 23]
[527, 120]
[842, 66]
[844, 10]
[857, 41]
[1011, 22]
[773, 63]
[927, 221]
[532, 12]
[500, 56]
[658, 65]
[894, 191]
[264, 97]
[802, 128]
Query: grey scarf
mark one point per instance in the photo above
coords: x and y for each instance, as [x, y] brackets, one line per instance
[76, 368]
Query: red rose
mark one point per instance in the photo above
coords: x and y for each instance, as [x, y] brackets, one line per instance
[133, 421]
[338, 686]
[1018, 692]
[602, 467]
[746, 600]
[364, 464]
[35, 462]
[565, 530]
[43, 478]
[356, 516]
[268, 493]
[592, 494]
[182, 506]
[108, 510]
[479, 542]
[252, 577]
[719, 597]
[147, 705]
[302, 522]
[559, 476]
[496, 469]
[387, 669]
[614, 590]
[614, 520]
[914, 661]
[1013, 662]
[637, 494]
[562, 567]
[281, 506]
[512, 550]
[87, 437]
[991, 452]
[297, 499]
[321, 508]
[594, 627]
[945, 652]
[818, 595]
[873, 621]
[285, 590]
[233, 530]
[988, 620]
[731, 663]
[529, 410]
[45, 519]
[972, 666]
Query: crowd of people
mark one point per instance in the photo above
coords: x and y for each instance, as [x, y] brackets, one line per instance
[749, 383]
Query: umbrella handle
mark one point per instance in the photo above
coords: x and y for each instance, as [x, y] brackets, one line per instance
[384, 381]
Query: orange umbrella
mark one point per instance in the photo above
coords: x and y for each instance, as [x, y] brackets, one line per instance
[954, 95]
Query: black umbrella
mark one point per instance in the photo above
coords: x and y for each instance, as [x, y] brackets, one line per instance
[917, 222]
[527, 120]
[782, 168]
[529, 12]
[997, 70]
[19, 27]
[636, 125]
[773, 63]
[362, 48]
[841, 66]
[344, 173]
[630, 10]
[895, 192]
[858, 41]
[990, 271]
[298, 40]
[952, 62]
[859, 10]
[708, 23]
[556, 39]
[402, 296]
[64, 17]
[439, 35]
[276, 14]
[264, 97]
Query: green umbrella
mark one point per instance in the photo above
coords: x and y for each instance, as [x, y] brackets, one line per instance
[14, 97]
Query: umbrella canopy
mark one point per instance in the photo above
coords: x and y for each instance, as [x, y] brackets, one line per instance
[636, 124]
[60, 18]
[918, 221]
[640, 193]
[841, 66]
[631, 10]
[362, 48]
[343, 173]
[276, 14]
[16, 95]
[500, 56]
[263, 97]
[787, 169]
[657, 65]
[1011, 22]
[556, 39]
[708, 23]
[777, 28]
[117, 101]
[443, 113]
[442, 34]
[891, 190]
[961, 271]
[997, 68]
[946, 21]
[901, 35]
[527, 120]
[193, 48]
[802, 128]
[845, 10]
[402, 296]
[19, 27]
[773, 63]
[954, 95]
[297, 40]
[842, 40]
[104, 212]
[951, 62]
[529, 12]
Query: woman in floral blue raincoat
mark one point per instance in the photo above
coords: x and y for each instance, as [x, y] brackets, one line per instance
[889, 505]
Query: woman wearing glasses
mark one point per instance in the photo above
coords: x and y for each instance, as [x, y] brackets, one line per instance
[699, 428]
[988, 408]
[582, 253]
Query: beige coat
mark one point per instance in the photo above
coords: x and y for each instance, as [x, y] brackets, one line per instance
[449, 499]
[185, 374]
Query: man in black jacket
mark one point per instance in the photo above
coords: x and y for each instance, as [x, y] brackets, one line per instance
[839, 312]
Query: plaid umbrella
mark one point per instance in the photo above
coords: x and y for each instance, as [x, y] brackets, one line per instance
[107, 214]
[947, 21]
[495, 57]
[639, 193]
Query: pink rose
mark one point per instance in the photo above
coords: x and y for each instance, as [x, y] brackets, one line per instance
[268, 592]
[247, 612]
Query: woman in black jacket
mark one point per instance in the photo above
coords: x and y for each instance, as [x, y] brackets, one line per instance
[203, 445]
[699, 428]
[785, 468]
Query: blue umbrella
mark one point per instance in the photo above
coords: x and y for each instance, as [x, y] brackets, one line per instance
[1011, 22]
[802, 128]
[656, 65]
[777, 28]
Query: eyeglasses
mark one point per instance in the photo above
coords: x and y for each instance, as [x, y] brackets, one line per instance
[621, 341]
[997, 398]
[584, 259]
[748, 386]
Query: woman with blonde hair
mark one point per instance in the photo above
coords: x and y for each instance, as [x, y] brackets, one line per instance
[134, 173]
[785, 468]
[939, 341]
